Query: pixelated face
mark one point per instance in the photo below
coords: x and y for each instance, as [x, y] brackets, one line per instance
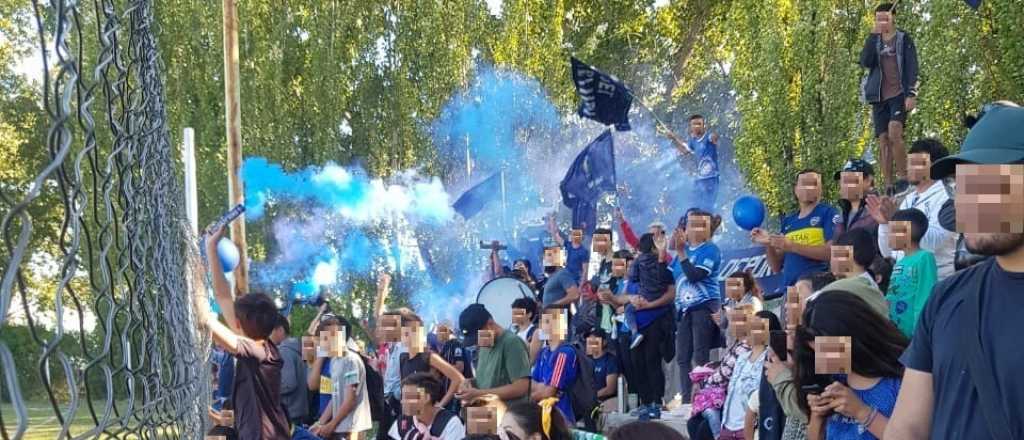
[841, 261]
[391, 328]
[808, 187]
[519, 317]
[309, 348]
[833, 355]
[444, 333]
[602, 243]
[485, 338]
[227, 417]
[332, 342]
[758, 334]
[619, 266]
[698, 228]
[739, 320]
[989, 199]
[899, 235]
[577, 237]
[919, 166]
[851, 185]
[595, 346]
[481, 420]
[734, 288]
[553, 257]
[697, 127]
[794, 307]
[554, 325]
[414, 337]
[884, 21]
[414, 399]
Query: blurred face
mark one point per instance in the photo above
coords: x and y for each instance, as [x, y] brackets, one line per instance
[884, 21]
[990, 207]
[553, 257]
[851, 185]
[390, 328]
[485, 338]
[414, 337]
[577, 237]
[554, 326]
[808, 188]
[698, 228]
[414, 400]
[919, 167]
[899, 235]
[309, 348]
[734, 288]
[444, 333]
[519, 317]
[619, 266]
[758, 336]
[833, 355]
[484, 420]
[332, 342]
[595, 346]
[697, 127]
[602, 243]
[842, 261]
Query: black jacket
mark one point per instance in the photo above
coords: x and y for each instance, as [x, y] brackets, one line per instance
[906, 59]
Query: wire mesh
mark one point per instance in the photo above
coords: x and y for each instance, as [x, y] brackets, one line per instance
[137, 369]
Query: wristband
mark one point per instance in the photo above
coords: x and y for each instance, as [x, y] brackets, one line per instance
[867, 421]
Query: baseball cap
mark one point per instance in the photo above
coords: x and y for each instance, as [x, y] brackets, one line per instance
[856, 166]
[995, 139]
[471, 320]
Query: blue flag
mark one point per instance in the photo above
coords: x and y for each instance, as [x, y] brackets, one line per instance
[591, 175]
[603, 97]
[475, 199]
[974, 4]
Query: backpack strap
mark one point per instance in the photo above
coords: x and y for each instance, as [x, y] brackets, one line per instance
[441, 420]
[982, 376]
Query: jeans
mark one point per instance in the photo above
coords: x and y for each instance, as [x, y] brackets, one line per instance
[695, 335]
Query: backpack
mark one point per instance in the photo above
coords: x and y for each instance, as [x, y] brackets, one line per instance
[375, 391]
[583, 392]
[441, 419]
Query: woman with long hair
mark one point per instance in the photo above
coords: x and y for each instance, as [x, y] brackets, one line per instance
[532, 421]
[857, 405]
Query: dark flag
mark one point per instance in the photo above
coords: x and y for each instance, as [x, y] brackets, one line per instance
[591, 175]
[603, 97]
[974, 4]
[474, 199]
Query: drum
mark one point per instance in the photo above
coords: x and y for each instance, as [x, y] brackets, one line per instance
[497, 296]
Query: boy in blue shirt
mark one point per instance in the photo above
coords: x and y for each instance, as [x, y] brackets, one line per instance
[556, 367]
[577, 256]
[705, 147]
[696, 267]
[803, 245]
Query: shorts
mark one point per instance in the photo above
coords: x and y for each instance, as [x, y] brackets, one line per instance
[892, 109]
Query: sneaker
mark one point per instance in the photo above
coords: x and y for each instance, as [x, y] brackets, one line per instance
[636, 341]
[644, 412]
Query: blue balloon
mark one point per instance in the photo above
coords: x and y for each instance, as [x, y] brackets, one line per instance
[748, 212]
[227, 252]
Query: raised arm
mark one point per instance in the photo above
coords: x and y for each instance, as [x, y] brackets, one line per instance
[553, 230]
[221, 288]
[454, 376]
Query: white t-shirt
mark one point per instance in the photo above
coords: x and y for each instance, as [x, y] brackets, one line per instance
[452, 431]
[349, 371]
[524, 333]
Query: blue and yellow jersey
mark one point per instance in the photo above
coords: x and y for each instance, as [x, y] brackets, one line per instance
[813, 230]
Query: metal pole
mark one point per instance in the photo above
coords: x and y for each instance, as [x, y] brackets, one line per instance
[188, 157]
[233, 118]
[469, 161]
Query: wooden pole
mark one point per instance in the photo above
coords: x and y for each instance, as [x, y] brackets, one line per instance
[233, 119]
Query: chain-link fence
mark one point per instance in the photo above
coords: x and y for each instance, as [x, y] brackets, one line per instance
[109, 346]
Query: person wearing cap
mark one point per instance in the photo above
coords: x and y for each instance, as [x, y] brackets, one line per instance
[503, 369]
[928, 195]
[962, 377]
[852, 205]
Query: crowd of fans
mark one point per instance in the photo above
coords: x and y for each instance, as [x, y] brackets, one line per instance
[896, 318]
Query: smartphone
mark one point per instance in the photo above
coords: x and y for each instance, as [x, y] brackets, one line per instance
[777, 342]
[812, 388]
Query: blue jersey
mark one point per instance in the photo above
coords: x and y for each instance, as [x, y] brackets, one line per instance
[558, 369]
[815, 229]
[604, 366]
[690, 294]
[575, 259]
[707, 156]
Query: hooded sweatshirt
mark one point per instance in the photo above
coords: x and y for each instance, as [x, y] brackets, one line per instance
[652, 276]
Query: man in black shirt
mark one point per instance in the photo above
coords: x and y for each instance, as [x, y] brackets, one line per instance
[963, 377]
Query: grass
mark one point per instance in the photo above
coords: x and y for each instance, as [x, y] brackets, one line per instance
[43, 424]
